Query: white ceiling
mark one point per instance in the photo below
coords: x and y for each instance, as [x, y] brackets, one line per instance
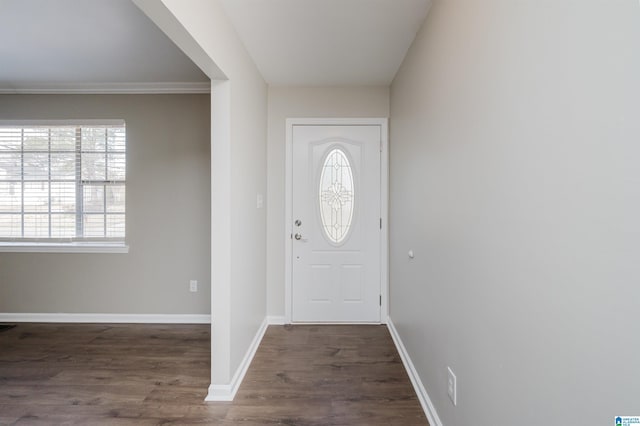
[327, 42]
[64, 43]
[48, 45]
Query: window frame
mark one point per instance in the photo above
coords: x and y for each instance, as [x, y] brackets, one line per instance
[70, 244]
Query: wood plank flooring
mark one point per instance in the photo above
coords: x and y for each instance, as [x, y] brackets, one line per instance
[82, 374]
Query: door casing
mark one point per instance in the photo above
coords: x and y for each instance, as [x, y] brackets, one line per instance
[384, 204]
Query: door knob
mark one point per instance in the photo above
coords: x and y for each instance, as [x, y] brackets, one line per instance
[297, 237]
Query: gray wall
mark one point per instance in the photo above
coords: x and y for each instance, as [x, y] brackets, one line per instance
[168, 214]
[515, 141]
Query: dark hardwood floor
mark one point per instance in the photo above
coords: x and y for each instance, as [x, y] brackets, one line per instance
[81, 374]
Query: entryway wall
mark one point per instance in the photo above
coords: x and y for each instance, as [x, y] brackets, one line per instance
[292, 102]
[238, 172]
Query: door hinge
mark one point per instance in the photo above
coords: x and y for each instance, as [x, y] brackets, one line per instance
[380, 223]
[380, 300]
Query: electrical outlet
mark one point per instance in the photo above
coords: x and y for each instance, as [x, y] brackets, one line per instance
[451, 386]
[193, 286]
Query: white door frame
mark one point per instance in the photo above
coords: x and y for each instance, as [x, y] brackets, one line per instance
[384, 204]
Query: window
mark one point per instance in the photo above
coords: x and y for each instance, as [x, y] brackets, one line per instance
[62, 182]
[336, 196]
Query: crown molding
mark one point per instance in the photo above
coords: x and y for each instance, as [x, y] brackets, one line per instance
[108, 88]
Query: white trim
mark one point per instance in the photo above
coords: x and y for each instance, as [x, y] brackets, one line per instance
[11, 247]
[187, 87]
[423, 397]
[288, 222]
[384, 203]
[107, 318]
[228, 392]
[74, 123]
[334, 323]
[384, 212]
[276, 320]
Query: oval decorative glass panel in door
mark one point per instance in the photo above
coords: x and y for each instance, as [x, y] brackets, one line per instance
[336, 196]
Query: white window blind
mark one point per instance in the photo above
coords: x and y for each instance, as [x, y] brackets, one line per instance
[62, 182]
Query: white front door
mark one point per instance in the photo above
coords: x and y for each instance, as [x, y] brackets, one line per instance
[336, 223]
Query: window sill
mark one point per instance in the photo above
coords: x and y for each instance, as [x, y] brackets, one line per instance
[6, 247]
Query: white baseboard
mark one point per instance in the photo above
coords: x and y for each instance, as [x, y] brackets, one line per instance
[276, 320]
[228, 392]
[423, 397]
[107, 318]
